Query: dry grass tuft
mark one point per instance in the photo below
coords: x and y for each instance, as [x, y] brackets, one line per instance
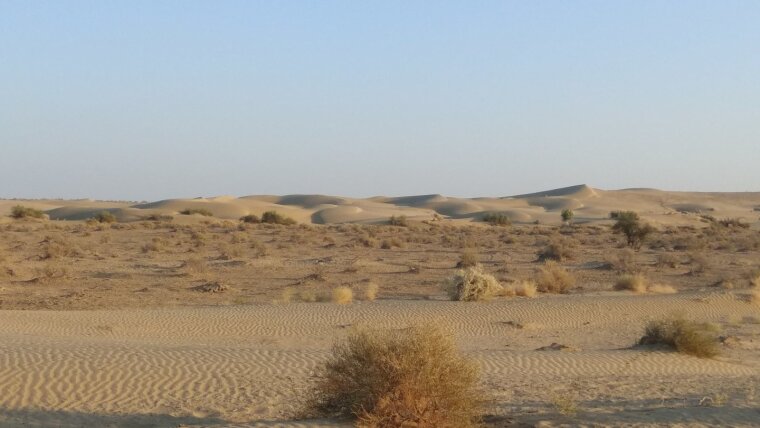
[553, 278]
[636, 283]
[370, 291]
[526, 288]
[398, 378]
[342, 295]
[468, 258]
[685, 336]
[472, 284]
[195, 266]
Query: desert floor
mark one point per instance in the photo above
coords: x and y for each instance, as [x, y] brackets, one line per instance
[202, 321]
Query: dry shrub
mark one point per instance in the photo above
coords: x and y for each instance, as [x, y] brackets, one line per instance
[308, 296]
[526, 288]
[754, 280]
[20, 211]
[58, 246]
[472, 284]
[557, 249]
[342, 295]
[370, 291]
[698, 263]
[468, 258]
[667, 260]
[412, 377]
[636, 283]
[625, 261]
[685, 336]
[387, 244]
[553, 278]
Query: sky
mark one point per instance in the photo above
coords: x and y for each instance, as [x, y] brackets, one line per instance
[145, 100]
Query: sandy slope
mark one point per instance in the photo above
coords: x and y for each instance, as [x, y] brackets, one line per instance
[590, 205]
[248, 365]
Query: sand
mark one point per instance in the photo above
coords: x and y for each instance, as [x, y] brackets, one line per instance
[249, 365]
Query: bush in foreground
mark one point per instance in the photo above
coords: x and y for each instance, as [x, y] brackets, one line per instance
[20, 211]
[685, 336]
[472, 284]
[397, 378]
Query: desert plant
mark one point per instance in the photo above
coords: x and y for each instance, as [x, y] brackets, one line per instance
[201, 211]
[683, 335]
[468, 258]
[472, 284]
[398, 378]
[105, 217]
[629, 224]
[195, 266]
[497, 219]
[636, 283]
[667, 260]
[558, 249]
[526, 288]
[20, 211]
[567, 215]
[370, 291]
[342, 295]
[553, 278]
[274, 217]
[250, 218]
[398, 221]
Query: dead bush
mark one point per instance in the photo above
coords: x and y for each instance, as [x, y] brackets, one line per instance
[472, 284]
[468, 258]
[558, 249]
[553, 278]
[412, 377]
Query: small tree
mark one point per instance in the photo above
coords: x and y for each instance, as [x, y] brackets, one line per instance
[567, 215]
[629, 224]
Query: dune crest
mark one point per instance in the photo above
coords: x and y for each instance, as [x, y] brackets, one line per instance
[590, 205]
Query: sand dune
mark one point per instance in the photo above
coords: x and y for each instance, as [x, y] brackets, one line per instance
[590, 205]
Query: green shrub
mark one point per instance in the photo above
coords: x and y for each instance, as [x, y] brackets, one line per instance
[497, 219]
[202, 211]
[274, 217]
[250, 218]
[20, 211]
[567, 214]
[683, 335]
[105, 217]
[411, 377]
[629, 224]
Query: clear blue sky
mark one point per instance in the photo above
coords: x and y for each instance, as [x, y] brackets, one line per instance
[159, 99]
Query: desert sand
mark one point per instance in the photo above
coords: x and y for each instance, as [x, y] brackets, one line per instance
[206, 321]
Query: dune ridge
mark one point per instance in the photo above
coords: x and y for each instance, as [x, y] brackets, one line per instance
[590, 205]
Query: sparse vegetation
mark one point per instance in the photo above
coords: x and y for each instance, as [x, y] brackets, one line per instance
[200, 211]
[472, 284]
[105, 217]
[636, 283]
[497, 219]
[250, 218]
[468, 258]
[370, 291]
[553, 278]
[398, 378]
[342, 295]
[683, 335]
[398, 221]
[20, 211]
[558, 249]
[273, 217]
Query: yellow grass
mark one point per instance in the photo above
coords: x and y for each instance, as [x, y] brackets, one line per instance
[342, 295]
